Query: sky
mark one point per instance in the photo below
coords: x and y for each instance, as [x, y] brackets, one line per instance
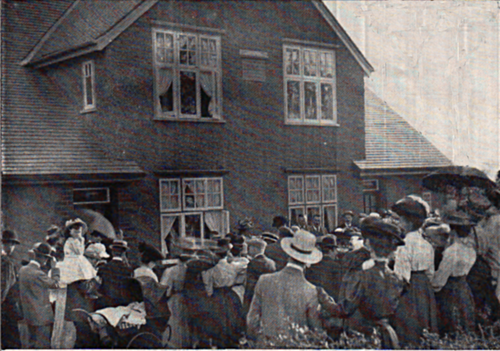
[437, 65]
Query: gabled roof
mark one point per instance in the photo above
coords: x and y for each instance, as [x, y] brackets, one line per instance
[85, 27]
[42, 137]
[89, 26]
[392, 144]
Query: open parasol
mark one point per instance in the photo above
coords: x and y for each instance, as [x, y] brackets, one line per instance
[97, 222]
[459, 177]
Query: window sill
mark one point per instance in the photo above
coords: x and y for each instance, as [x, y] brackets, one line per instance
[191, 120]
[311, 124]
[88, 110]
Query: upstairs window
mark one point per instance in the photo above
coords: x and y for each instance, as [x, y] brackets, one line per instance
[310, 86]
[88, 85]
[187, 74]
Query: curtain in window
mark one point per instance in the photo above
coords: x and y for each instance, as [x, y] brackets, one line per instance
[207, 83]
[164, 80]
[213, 221]
[168, 222]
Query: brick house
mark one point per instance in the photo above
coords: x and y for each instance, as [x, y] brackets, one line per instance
[178, 116]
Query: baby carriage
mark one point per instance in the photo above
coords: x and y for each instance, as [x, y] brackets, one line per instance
[119, 327]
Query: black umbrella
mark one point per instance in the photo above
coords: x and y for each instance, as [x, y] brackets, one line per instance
[459, 177]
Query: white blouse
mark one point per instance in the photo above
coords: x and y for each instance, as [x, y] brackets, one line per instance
[416, 255]
[458, 260]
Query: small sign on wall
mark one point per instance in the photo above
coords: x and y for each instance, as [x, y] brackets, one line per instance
[90, 196]
[253, 65]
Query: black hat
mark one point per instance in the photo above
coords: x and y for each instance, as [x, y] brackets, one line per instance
[10, 236]
[328, 241]
[378, 229]
[237, 240]
[42, 249]
[223, 245]
[278, 221]
[348, 212]
[150, 253]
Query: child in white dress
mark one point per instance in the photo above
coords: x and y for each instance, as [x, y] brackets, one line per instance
[75, 265]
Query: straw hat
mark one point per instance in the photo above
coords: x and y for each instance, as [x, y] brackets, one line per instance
[302, 247]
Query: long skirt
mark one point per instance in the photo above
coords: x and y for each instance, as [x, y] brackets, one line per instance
[455, 306]
[416, 311]
[227, 314]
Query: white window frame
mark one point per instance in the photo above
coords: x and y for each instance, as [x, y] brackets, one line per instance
[321, 204]
[302, 79]
[86, 73]
[301, 190]
[177, 67]
[182, 211]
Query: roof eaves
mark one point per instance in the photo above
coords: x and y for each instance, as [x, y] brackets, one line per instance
[351, 46]
[27, 60]
[98, 45]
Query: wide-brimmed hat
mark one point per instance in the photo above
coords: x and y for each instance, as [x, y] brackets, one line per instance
[302, 247]
[75, 222]
[411, 206]
[119, 245]
[270, 237]
[53, 230]
[150, 253]
[96, 250]
[347, 212]
[42, 249]
[10, 236]
[378, 229]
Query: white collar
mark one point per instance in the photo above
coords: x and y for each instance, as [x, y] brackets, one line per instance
[296, 266]
[117, 258]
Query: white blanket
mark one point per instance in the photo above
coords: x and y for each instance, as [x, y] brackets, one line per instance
[133, 315]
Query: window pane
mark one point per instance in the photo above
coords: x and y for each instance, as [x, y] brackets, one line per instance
[326, 101]
[193, 225]
[169, 192]
[88, 91]
[310, 63]
[310, 100]
[292, 61]
[208, 54]
[214, 200]
[188, 92]
[200, 186]
[294, 215]
[187, 50]
[327, 65]
[214, 185]
[190, 204]
[293, 100]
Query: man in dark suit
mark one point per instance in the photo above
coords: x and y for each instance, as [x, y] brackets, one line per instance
[116, 278]
[11, 310]
[260, 264]
[327, 274]
[286, 297]
[34, 285]
[274, 251]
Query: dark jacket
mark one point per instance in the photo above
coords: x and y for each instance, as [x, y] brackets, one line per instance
[276, 253]
[116, 276]
[259, 265]
[326, 274]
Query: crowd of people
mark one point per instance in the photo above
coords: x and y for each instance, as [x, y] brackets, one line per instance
[399, 272]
